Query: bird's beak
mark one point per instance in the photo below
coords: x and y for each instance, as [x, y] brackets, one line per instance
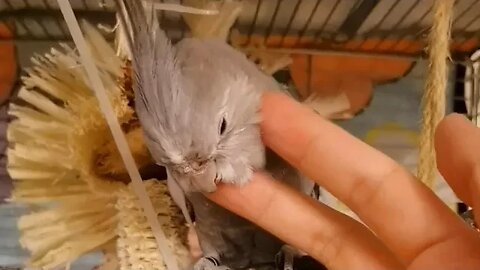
[205, 181]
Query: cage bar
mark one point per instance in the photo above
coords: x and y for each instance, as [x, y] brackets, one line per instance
[396, 30]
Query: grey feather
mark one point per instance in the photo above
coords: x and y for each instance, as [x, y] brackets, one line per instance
[198, 104]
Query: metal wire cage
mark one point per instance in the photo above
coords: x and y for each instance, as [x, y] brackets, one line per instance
[471, 86]
[386, 27]
[374, 28]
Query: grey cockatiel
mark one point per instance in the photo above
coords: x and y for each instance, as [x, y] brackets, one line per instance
[198, 104]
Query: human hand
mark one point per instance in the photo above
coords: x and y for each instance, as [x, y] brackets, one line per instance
[408, 226]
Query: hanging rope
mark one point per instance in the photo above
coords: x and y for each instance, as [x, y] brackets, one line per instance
[433, 100]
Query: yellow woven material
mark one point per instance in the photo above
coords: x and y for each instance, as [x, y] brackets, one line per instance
[136, 246]
[53, 144]
[433, 100]
[64, 163]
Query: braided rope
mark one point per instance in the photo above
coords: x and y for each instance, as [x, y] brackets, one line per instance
[433, 100]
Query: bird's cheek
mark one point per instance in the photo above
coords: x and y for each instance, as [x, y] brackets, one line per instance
[225, 171]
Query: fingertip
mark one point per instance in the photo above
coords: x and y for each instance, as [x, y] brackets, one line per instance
[454, 115]
[451, 124]
[272, 97]
[275, 103]
[286, 125]
[453, 135]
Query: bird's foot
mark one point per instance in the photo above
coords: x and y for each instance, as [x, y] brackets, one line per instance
[292, 259]
[209, 263]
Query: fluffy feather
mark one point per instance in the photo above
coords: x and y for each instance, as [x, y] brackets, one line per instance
[198, 105]
[182, 100]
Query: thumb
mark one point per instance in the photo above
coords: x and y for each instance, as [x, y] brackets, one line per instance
[457, 146]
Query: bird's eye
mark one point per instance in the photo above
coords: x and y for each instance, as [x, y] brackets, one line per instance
[223, 126]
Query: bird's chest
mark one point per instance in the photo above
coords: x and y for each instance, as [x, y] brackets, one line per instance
[239, 243]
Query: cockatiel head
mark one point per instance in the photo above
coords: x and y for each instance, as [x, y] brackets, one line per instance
[198, 106]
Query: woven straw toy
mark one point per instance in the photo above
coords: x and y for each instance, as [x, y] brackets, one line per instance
[65, 165]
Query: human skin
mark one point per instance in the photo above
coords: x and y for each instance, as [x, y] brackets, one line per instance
[407, 226]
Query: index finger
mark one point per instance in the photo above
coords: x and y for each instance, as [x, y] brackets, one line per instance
[393, 203]
[334, 239]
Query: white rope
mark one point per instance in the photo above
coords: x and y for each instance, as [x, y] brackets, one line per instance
[183, 9]
[119, 138]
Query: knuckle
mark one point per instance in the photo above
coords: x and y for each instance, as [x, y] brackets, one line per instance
[367, 192]
[330, 249]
